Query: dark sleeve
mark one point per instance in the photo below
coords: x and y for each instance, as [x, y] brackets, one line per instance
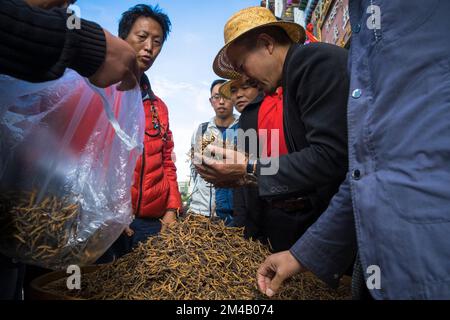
[318, 82]
[38, 46]
[239, 207]
[329, 246]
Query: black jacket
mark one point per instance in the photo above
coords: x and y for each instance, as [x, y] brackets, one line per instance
[36, 45]
[246, 203]
[315, 93]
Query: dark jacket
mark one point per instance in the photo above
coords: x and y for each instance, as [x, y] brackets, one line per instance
[247, 204]
[37, 45]
[394, 205]
[316, 86]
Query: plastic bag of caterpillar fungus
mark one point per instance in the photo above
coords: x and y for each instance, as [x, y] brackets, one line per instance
[68, 151]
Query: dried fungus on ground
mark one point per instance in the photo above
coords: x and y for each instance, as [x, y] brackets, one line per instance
[194, 260]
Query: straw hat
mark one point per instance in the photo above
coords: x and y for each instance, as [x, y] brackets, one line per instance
[241, 23]
[225, 89]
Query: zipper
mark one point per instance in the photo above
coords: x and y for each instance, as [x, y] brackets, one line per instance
[141, 183]
[210, 202]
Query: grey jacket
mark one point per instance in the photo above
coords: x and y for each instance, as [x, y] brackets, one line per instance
[397, 192]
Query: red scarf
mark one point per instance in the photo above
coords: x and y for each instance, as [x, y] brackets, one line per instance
[270, 117]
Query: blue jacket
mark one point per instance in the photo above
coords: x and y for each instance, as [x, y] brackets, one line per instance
[397, 192]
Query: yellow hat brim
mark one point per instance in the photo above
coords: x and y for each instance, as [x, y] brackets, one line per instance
[222, 66]
[225, 89]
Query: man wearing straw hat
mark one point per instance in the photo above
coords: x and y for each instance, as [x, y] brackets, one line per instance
[315, 90]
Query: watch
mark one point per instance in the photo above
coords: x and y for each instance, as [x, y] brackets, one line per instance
[251, 167]
[250, 178]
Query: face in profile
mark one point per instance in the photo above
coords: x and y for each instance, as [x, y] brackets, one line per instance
[146, 38]
[243, 92]
[257, 63]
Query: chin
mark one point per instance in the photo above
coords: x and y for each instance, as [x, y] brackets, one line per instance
[144, 67]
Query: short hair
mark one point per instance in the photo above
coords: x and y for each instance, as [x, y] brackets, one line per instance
[215, 83]
[277, 33]
[130, 16]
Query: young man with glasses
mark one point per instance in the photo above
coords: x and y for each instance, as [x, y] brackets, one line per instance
[207, 200]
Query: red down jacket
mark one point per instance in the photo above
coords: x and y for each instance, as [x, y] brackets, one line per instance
[155, 188]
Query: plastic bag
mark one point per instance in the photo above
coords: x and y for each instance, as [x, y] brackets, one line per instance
[68, 154]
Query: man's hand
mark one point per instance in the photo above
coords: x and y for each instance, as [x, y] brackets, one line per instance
[230, 170]
[48, 4]
[120, 65]
[275, 270]
[128, 232]
[168, 220]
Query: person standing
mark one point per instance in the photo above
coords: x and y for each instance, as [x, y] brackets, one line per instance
[315, 86]
[207, 200]
[155, 195]
[393, 208]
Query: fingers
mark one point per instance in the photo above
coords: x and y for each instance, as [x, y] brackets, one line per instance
[215, 151]
[275, 270]
[262, 283]
[120, 65]
[129, 232]
[274, 285]
[264, 275]
[131, 79]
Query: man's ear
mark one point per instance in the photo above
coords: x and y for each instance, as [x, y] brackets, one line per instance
[267, 42]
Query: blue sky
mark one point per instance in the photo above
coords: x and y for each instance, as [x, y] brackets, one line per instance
[182, 74]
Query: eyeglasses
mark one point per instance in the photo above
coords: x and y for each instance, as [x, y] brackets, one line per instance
[217, 97]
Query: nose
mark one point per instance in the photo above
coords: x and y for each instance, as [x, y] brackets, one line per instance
[148, 45]
[240, 93]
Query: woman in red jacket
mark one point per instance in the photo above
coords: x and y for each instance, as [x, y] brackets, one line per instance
[155, 195]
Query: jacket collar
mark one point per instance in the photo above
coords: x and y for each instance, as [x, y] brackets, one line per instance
[212, 122]
[146, 89]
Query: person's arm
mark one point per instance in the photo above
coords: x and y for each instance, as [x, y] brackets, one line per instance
[327, 249]
[321, 88]
[48, 4]
[38, 46]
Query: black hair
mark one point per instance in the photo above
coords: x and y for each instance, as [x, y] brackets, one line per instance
[216, 82]
[130, 16]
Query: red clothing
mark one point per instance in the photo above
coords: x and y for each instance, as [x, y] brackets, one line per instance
[270, 117]
[156, 189]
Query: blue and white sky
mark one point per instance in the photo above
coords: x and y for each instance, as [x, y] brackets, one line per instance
[182, 74]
